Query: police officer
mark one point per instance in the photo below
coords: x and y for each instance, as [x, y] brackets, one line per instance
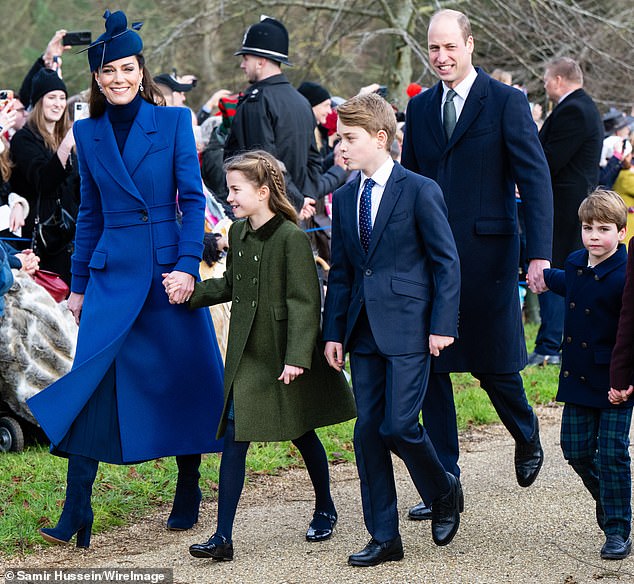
[273, 116]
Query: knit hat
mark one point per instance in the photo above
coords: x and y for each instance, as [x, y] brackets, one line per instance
[313, 92]
[268, 38]
[117, 42]
[46, 80]
[171, 82]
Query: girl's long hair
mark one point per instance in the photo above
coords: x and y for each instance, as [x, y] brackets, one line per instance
[37, 123]
[260, 168]
[150, 93]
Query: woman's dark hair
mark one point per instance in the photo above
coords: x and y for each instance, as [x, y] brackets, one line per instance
[150, 93]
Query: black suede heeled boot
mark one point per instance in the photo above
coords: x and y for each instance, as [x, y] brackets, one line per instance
[184, 514]
[77, 515]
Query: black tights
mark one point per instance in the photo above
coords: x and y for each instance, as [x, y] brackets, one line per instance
[232, 471]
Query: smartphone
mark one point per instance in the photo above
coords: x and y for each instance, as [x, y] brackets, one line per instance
[79, 37]
[6, 95]
[81, 111]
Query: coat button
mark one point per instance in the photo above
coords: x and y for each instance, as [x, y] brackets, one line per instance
[572, 305]
[240, 253]
[254, 303]
[586, 311]
[238, 277]
[596, 277]
[569, 339]
[254, 281]
[368, 272]
[256, 258]
[566, 373]
[237, 299]
[579, 272]
[584, 345]
[144, 216]
[582, 379]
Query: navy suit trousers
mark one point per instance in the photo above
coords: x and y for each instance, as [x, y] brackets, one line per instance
[507, 395]
[389, 390]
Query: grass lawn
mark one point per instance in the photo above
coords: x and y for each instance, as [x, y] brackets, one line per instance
[32, 483]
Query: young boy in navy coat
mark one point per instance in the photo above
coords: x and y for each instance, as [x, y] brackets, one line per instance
[595, 431]
[393, 295]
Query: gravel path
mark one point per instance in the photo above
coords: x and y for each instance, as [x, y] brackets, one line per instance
[543, 534]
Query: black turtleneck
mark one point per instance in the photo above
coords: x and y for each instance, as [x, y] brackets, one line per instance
[122, 117]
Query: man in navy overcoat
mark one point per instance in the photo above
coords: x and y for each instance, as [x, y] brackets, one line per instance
[477, 158]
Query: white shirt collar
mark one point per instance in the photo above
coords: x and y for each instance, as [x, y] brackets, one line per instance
[464, 87]
[565, 95]
[382, 174]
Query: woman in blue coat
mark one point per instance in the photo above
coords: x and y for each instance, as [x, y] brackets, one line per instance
[147, 377]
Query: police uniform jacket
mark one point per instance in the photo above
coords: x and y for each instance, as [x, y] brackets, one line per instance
[273, 116]
[593, 303]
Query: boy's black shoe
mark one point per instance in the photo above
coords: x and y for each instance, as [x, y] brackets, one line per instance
[375, 553]
[529, 458]
[616, 548]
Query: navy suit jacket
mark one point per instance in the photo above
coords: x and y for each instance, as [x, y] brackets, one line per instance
[493, 147]
[409, 281]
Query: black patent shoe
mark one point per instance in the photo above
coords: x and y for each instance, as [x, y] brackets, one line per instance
[216, 548]
[529, 458]
[375, 553]
[315, 533]
[616, 548]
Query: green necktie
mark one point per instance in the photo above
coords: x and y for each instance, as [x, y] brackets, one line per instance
[449, 114]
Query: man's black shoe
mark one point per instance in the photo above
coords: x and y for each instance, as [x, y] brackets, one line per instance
[445, 513]
[529, 458]
[375, 553]
[616, 547]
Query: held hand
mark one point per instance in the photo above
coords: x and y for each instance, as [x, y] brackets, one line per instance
[535, 275]
[212, 102]
[308, 210]
[179, 286]
[8, 116]
[439, 342]
[290, 373]
[75, 304]
[334, 355]
[30, 262]
[16, 217]
[619, 396]
[55, 48]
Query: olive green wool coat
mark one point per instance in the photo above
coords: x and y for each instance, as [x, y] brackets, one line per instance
[272, 283]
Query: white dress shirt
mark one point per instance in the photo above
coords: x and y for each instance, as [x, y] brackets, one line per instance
[462, 89]
[380, 177]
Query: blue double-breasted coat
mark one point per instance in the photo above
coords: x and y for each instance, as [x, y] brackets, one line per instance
[160, 362]
[593, 304]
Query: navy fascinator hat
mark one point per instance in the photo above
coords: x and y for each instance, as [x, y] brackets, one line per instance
[117, 42]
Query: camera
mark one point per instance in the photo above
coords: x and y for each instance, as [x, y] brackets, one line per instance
[81, 111]
[6, 95]
[79, 37]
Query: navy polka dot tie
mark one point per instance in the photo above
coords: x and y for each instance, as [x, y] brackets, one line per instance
[365, 214]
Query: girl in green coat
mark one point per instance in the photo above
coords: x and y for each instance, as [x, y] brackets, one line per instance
[277, 384]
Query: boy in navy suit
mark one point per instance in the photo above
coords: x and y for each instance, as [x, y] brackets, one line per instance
[393, 295]
[595, 424]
